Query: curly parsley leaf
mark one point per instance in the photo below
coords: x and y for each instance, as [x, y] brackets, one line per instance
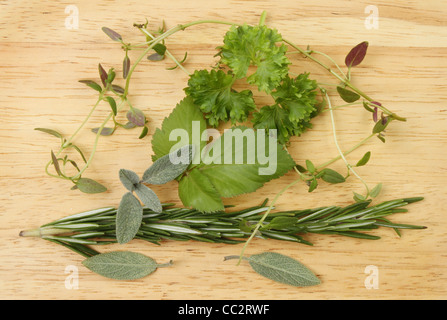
[212, 92]
[246, 46]
[296, 104]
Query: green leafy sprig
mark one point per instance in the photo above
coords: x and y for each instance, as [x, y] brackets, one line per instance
[80, 231]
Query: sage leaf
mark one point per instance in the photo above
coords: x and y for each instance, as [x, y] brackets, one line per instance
[364, 160]
[356, 55]
[129, 179]
[347, 95]
[87, 185]
[128, 218]
[332, 176]
[283, 269]
[115, 36]
[121, 265]
[148, 197]
[50, 131]
[170, 166]
[136, 116]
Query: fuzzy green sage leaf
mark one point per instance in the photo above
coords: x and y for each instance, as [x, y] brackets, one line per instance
[170, 166]
[121, 265]
[129, 179]
[283, 269]
[148, 197]
[128, 218]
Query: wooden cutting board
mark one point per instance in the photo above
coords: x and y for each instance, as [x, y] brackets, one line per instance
[47, 46]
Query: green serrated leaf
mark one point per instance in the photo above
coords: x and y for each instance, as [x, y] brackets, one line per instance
[185, 116]
[148, 197]
[246, 46]
[129, 179]
[347, 95]
[283, 269]
[212, 91]
[197, 191]
[364, 160]
[332, 176]
[88, 185]
[121, 265]
[170, 166]
[128, 218]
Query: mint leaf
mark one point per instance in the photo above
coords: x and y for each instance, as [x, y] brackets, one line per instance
[197, 191]
[184, 116]
[212, 91]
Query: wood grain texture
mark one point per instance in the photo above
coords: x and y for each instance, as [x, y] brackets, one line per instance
[405, 68]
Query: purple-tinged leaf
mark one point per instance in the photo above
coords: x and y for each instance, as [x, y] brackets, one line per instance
[126, 66]
[356, 55]
[102, 74]
[105, 131]
[55, 163]
[129, 125]
[92, 84]
[117, 89]
[136, 116]
[155, 57]
[115, 36]
[375, 114]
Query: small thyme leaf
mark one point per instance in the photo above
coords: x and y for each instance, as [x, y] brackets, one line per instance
[126, 66]
[364, 160]
[144, 132]
[136, 116]
[92, 84]
[112, 103]
[347, 95]
[105, 131]
[56, 164]
[50, 131]
[102, 74]
[88, 185]
[115, 36]
[376, 190]
[332, 176]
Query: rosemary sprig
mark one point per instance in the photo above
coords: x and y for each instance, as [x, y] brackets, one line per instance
[78, 232]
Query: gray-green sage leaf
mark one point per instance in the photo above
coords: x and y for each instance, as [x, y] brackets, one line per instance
[121, 265]
[129, 179]
[170, 166]
[283, 269]
[128, 218]
[148, 197]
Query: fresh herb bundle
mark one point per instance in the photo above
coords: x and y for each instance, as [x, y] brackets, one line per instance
[260, 58]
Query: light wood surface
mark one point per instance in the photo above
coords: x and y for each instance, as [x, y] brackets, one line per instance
[406, 68]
